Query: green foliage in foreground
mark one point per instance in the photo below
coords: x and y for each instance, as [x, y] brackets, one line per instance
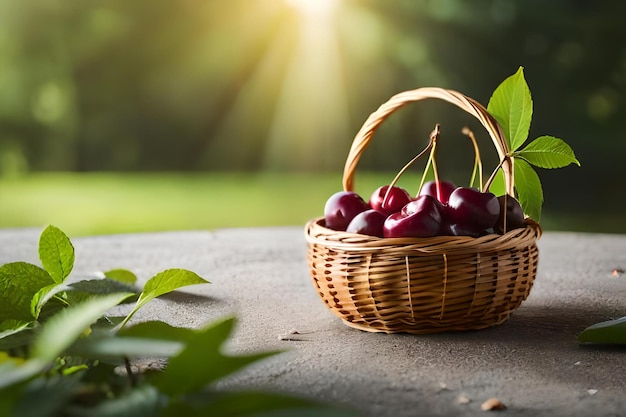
[62, 354]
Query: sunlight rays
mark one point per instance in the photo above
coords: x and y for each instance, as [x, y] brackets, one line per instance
[314, 9]
[311, 114]
[290, 112]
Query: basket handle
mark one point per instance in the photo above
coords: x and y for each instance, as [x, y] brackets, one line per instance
[365, 134]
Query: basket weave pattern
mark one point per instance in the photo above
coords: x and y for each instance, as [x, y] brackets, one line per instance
[422, 285]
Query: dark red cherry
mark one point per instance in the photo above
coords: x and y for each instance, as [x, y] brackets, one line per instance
[341, 208]
[418, 218]
[472, 210]
[442, 194]
[368, 222]
[511, 215]
[396, 199]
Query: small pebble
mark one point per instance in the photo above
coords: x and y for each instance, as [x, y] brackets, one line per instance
[292, 336]
[288, 338]
[463, 399]
[492, 404]
[592, 391]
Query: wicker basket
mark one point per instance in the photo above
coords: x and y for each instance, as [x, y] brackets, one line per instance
[422, 285]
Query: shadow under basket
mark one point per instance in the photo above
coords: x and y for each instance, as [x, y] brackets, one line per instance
[422, 285]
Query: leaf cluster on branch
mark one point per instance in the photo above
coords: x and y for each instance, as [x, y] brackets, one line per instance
[63, 353]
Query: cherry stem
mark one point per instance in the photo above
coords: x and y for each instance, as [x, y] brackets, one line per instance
[431, 144]
[506, 196]
[129, 372]
[434, 135]
[493, 175]
[478, 164]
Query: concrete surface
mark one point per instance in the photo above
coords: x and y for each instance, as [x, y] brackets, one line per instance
[532, 363]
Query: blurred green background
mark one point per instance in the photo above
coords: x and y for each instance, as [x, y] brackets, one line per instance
[122, 116]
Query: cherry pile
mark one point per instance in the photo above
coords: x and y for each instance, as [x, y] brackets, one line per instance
[440, 209]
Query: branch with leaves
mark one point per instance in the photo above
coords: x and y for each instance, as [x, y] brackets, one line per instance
[62, 353]
[512, 106]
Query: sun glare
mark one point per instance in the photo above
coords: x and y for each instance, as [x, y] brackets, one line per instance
[314, 8]
[311, 114]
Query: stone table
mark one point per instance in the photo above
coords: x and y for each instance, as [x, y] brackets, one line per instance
[532, 363]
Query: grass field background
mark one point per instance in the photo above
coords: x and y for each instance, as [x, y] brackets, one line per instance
[109, 203]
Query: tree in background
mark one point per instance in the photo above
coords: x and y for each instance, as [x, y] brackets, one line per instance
[284, 85]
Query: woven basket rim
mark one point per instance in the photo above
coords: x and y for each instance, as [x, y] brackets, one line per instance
[317, 233]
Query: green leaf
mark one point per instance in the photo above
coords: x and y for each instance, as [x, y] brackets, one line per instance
[46, 396]
[11, 373]
[80, 291]
[146, 339]
[42, 296]
[143, 400]
[9, 393]
[19, 282]
[101, 286]
[529, 191]
[19, 336]
[512, 106]
[56, 253]
[548, 152]
[109, 347]
[158, 330]
[612, 332]
[168, 281]
[10, 326]
[163, 283]
[201, 362]
[62, 329]
[122, 275]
